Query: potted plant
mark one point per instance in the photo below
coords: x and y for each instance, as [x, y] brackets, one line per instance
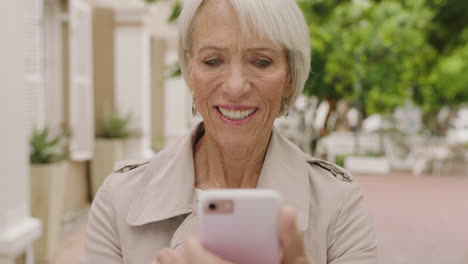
[109, 147]
[47, 183]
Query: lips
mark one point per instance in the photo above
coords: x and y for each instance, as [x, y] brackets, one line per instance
[237, 112]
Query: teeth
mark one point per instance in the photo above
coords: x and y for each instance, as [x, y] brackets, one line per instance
[236, 115]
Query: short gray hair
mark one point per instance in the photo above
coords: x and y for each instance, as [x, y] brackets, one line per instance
[280, 21]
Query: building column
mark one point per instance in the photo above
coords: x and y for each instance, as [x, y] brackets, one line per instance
[171, 99]
[132, 75]
[158, 67]
[17, 229]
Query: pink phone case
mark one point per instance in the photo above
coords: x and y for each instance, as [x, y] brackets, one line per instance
[244, 226]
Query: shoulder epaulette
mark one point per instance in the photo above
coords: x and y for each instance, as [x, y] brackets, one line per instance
[130, 167]
[337, 171]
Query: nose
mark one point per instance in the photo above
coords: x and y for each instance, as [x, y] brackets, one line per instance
[236, 84]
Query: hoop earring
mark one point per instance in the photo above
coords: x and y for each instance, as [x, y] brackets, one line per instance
[194, 107]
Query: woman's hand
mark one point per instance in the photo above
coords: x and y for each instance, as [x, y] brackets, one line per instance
[192, 252]
[189, 252]
[291, 239]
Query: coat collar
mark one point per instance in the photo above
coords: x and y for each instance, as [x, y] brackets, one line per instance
[170, 191]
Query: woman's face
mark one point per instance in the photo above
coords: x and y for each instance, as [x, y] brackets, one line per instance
[238, 80]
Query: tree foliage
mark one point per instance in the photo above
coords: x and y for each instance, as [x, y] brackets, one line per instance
[448, 82]
[377, 54]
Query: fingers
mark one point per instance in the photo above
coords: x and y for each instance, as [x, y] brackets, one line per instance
[191, 247]
[166, 256]
[195, 251]
[291, 238]
[190, 251]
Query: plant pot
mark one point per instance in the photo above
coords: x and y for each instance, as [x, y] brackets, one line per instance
[76, 191]
[367, 165]
[106, 153]
[47, 195]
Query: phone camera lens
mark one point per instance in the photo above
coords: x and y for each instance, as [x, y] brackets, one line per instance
[212, 206]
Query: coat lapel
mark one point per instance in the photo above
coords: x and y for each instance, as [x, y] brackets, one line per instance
[170, 191]
[285, 170]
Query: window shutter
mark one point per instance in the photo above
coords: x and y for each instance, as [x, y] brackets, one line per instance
[81, 84]
[34, 66]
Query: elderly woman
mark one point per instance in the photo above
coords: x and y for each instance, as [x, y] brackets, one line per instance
[245, 62]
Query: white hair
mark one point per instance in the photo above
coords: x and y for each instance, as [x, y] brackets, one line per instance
[280, 21]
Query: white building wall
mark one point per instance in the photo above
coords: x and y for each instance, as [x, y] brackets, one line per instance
[14, 150]
[17, 229]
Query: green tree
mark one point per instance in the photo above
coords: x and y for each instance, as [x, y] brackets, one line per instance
[448, 34]
[370, 53]
[448, 82]
[450, 19]
[318, 15]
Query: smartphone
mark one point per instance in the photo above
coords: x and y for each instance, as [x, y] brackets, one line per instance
[241, 225]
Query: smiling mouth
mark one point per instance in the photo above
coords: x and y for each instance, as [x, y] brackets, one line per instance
[235, 114]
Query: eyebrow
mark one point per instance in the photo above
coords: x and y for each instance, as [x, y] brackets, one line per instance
[262, 49]
[257, 49]
[211, 48]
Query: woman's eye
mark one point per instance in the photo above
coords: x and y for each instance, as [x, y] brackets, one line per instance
[262, 63]
[212, 62]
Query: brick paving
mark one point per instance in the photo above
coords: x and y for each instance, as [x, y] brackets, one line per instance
[419, 220]
[72, 245]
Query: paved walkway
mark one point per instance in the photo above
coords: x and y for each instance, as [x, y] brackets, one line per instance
[72, 245]
[419, 220]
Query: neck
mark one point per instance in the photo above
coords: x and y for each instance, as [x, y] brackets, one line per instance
[223, 166]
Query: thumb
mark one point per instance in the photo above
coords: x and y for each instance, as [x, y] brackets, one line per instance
[291, 238]
[165, 256]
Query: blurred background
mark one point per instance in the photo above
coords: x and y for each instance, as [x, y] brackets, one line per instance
[86, 83]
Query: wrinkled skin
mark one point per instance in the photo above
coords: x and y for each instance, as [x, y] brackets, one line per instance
[227, 67]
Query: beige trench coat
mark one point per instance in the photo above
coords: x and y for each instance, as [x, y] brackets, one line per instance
[144, 207]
